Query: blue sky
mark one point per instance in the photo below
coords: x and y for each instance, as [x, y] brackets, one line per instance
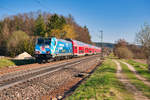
[117, 18]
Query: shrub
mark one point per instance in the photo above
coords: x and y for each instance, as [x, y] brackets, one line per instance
[18, 43]
[123, 52]
[28, 46]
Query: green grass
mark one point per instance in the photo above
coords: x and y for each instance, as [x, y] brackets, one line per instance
[135, 81]
[143, 71]
[7, 62]
[102, 85]
[112, 56]
[138, 64]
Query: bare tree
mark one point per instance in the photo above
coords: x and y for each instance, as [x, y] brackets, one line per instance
[143, 37]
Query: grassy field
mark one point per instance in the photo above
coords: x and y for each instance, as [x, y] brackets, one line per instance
[140, 68]
[135, 81]
[102, 85]
[4, 62]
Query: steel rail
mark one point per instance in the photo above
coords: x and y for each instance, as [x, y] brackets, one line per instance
[33, 74]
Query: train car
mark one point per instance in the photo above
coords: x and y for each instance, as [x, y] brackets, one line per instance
[52, 48]
[97, 50]
[81, 49]
[93, 50]
[90, 48]
[78, 48]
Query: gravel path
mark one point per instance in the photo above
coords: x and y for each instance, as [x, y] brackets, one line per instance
[137, 94]
[137, 75]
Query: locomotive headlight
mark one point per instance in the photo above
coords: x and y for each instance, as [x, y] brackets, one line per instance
[48, 52]
[47, 46]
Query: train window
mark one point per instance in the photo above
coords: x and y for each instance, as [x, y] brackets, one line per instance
[75, 47]
[81, 51]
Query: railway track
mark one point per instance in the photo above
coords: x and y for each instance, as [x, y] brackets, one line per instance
[23, 68]
[34, 74]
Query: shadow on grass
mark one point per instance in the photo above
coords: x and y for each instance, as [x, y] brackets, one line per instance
[143, 72]
[112, 70]
[23, 62]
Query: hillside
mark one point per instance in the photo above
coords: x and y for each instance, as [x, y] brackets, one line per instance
[25, 27]
[109, 45]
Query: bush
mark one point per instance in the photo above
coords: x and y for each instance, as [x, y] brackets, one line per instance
[123, 52]
[19, 42]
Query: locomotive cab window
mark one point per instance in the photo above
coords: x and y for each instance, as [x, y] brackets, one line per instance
[40, 41]
[46, 41]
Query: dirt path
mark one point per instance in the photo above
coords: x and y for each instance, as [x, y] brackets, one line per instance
[137, 75]
[140, 60]
[137, 94]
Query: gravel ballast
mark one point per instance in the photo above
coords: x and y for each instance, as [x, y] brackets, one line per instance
[52, 85]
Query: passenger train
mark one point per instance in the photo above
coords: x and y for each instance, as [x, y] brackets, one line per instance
[54, 49]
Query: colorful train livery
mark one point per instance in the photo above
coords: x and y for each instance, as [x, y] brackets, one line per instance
[53, 48]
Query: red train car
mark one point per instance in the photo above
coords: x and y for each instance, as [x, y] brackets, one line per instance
[81, 49]
[78, 48]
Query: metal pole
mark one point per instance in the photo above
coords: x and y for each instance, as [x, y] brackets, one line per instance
[101, 37]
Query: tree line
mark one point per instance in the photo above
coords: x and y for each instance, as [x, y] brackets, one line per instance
[18, 32]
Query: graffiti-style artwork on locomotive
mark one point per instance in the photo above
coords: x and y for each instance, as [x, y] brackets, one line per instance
[53, 48]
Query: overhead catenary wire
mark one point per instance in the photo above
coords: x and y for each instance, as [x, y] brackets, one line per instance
[42, 5]
[4, 8]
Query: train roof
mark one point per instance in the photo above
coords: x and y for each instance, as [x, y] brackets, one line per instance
[76, 42]
[83, 44]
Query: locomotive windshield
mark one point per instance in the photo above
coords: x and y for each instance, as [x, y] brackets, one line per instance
[46, 41]
[40, 41]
